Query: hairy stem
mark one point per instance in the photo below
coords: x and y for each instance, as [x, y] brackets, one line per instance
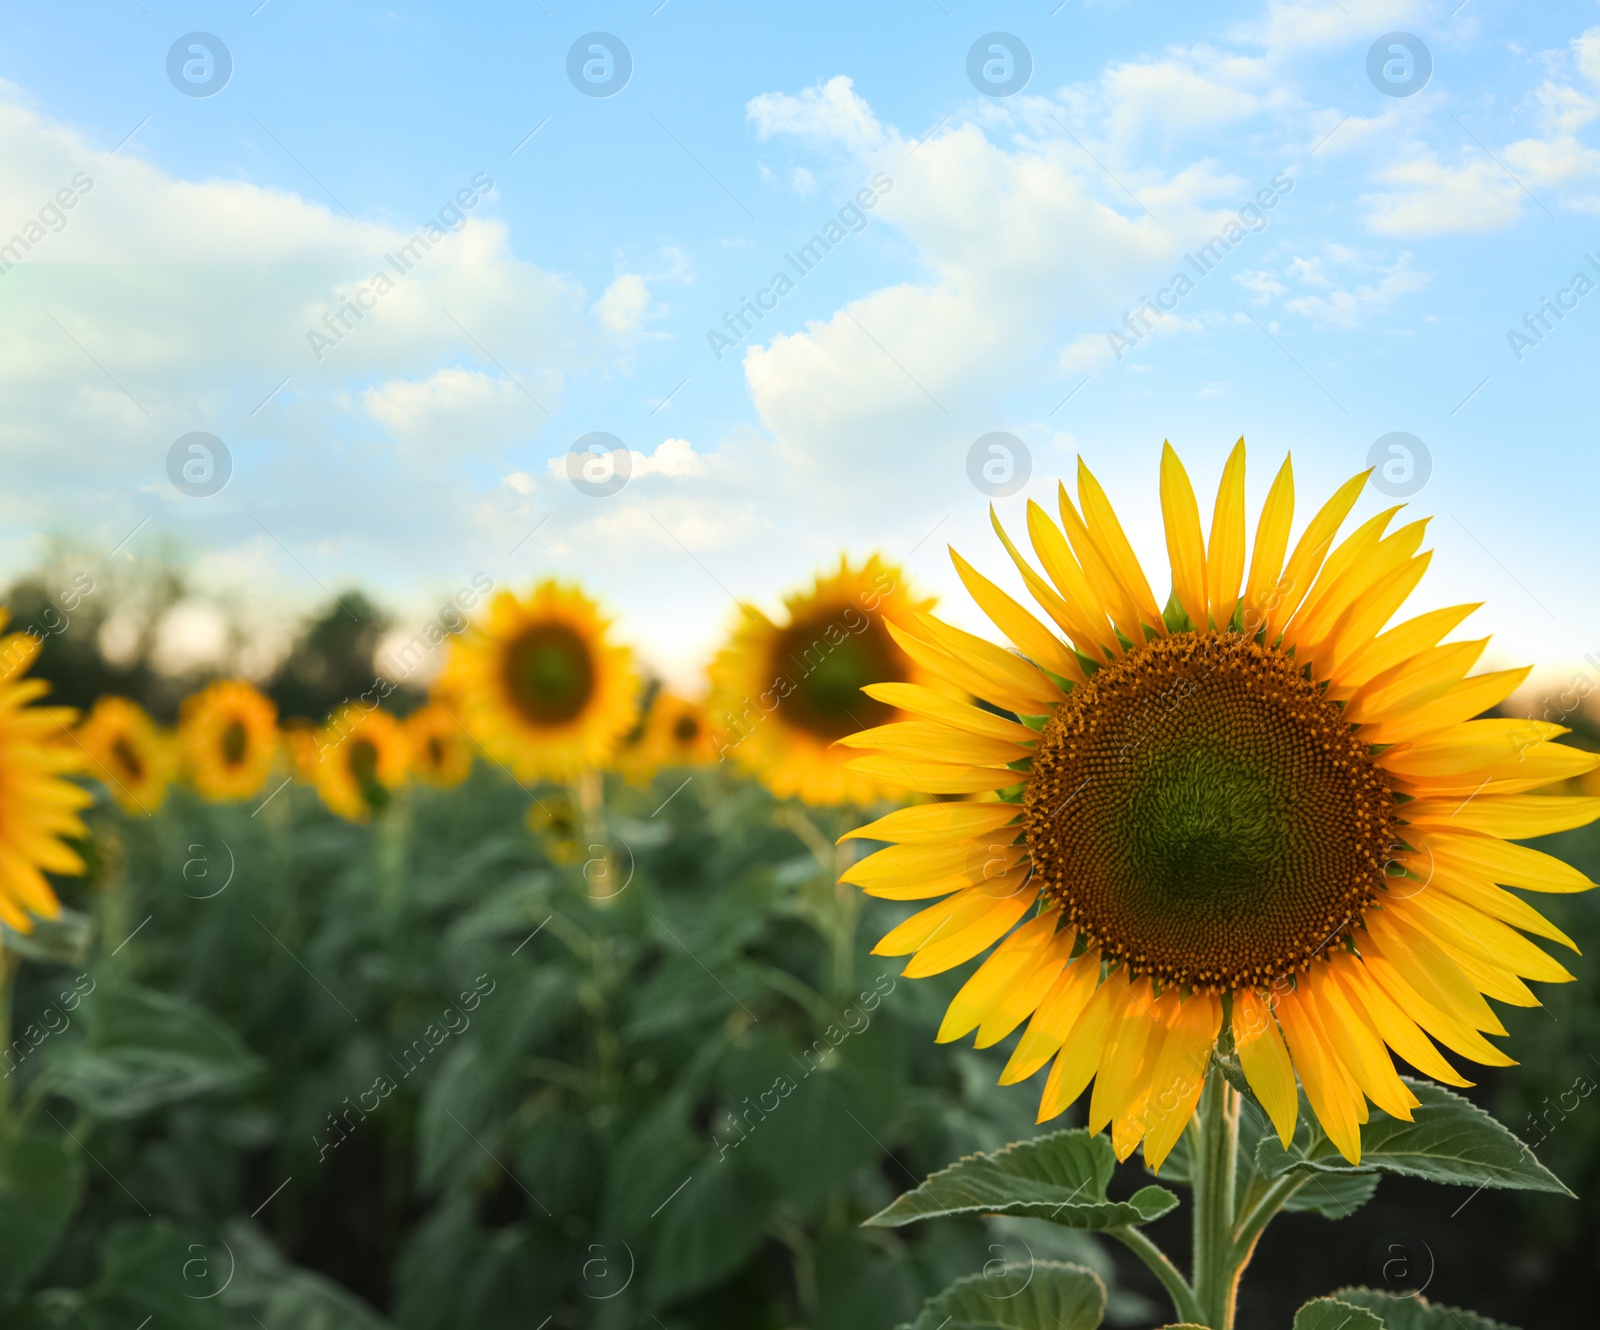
[1183, 1299]
[1214, 1149]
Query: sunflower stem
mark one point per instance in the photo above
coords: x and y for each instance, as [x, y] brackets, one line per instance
[1184, 1302]
[1215, 1149]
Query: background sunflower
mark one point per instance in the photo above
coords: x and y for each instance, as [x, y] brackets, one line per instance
[363, 756]
[228, 740]
[540, 686]
[128, 753]
[38, 808]
[441, 752]
[783, 694]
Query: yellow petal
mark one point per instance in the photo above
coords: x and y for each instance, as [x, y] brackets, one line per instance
[999, 667]
[1352, 563]
[1266, 1062]
[933, 777]
[1453, 921]
[1079, 1057]
[926, 823]
[1322, 1075]
[1509, 865]
[1112, 543]
[933, 741]
[1477, 891]
[990, 981]
[1310, 551]
[1109, 593]
[1114, 1083]
[1396, 1028]
[1186, 547]
[1027, 634]
[1358, 1046]
[1509, 816]
[1363, 619]
[1395, 647]
[1427, 969]
[1422, 679]
[1456, 1035]
[1465, 700]
[963, 863]
[1022, 998]
[1263, 590]
[949, 916]
[1180, 1073]
[1057, 1013]
[917, 700]
[1225, 552]
[956, 947]
[1468, 747]
[1083, 607]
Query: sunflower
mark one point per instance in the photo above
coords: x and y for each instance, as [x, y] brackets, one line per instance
[362, 758]
[1264, 816]
[38, 809]
[128, 753]
[675, 732]
[783, 695]
[441, 753]
[539, 685]
[228, 740]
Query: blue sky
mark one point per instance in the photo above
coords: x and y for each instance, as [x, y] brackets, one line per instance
[1408, 235]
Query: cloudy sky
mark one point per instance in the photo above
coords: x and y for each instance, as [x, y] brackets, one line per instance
[1399, 188]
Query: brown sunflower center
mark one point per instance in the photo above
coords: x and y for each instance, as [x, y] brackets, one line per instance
[1205, 814]
[235, 739]
[825, 660]
[435, 751]
[685, 729]
[549, 674]
[128, 756]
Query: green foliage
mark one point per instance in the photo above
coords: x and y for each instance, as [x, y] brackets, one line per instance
[1449, 1140]
[457, 1079]
[1017, 1296]
[1331, 1314]
[1398, 1311]
[1061, 1177]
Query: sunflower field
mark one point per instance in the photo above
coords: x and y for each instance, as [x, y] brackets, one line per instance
[546, 994]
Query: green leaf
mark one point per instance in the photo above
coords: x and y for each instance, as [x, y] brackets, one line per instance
[1449, 1141]
[281, 1296]
[63, 940]
[1402, 1311]
[1334, 1195]
[1035, 1295]
[1060, 1177]
[1331, 1314]
[41, 1178]
[710, 1228]
[144, 1049]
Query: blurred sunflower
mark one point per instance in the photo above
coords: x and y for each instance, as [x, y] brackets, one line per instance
[441, 753]
[783, 694]
[303, 747]
[1267, 816]
[558, 824]
[128, 754]
[539, 685]
[363, 759]
[38, 809]
[228, 740]
[675, 732]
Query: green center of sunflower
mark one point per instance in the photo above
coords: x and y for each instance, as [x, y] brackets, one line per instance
[1203, 813]
[549, 674]
[824, 661]
[128, 756]
[234, 741]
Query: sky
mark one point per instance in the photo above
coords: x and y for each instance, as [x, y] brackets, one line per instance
[401, 260]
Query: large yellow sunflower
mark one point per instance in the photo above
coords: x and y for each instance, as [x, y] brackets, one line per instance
[441, 753]
[128, 753]
[782, 695]
[38, 808]
[1261, 814]
[362, 756]
[228, 740]
[539, 686]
